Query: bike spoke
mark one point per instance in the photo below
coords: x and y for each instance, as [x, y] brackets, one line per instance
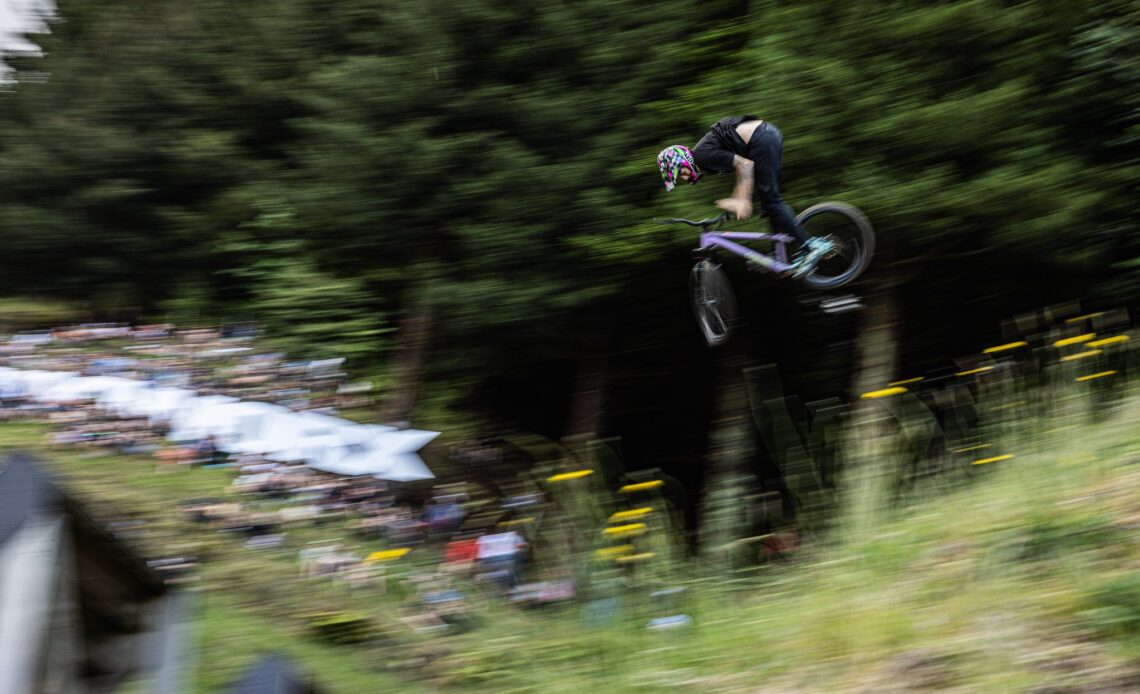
[712, 300]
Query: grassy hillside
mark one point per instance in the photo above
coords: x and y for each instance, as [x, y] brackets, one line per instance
[1026, 579]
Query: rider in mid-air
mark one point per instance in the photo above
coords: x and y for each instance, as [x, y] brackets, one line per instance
[751, 148]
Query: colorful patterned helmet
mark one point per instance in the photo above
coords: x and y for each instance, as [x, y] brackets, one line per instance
[670, 162]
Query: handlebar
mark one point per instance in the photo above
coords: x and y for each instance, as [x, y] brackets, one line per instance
[704, 223]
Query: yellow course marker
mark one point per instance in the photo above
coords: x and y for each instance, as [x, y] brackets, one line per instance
[971, 372]
[569, 475]
[1115, 339]
[388, 554]
[905, 382]
[1078, 319]
[884, 393]
[994, 459]
[1074, 340]
[634, 557]
[631, 514]
[641, 486]
[1090, 377]
[1081, 355]
[611, 552]
[1005, 347]
[626, 530]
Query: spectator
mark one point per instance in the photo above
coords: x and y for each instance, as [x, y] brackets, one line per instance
[501, 552]
[459, 555]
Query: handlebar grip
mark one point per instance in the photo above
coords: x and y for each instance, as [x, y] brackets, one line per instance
[713, 221]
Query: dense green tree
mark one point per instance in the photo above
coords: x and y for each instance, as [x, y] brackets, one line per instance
[473, 180]
[128, 145]
[460, 156]
[988, 141]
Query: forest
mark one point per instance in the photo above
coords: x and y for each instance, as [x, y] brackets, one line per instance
[460, 197]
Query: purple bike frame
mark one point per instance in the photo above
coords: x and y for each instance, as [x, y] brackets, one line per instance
[777, 264]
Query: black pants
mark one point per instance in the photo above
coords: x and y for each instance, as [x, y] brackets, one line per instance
[765, 148]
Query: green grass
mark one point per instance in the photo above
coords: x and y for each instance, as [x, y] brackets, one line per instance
[21, 314]
[230, 637]
[1022, 577]
[252, 601]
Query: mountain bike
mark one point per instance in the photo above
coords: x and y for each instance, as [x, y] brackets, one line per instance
[711, 293]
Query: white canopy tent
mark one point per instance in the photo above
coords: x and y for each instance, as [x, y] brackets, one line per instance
[407, 467]
[33, 383]
[257, 427]
[323, 442]
[9, 378]
[119, 396]
[198, 417]
[159, 404]
[353, 440]
[224, 421]
[388, 455]
[83, 388]
[313, 436]
[265, 434]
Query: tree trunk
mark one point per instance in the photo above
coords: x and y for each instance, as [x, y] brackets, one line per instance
[877, 346]
[587, 402]
[729, 436]
[866, 453]
[723, 517]
[409, 363]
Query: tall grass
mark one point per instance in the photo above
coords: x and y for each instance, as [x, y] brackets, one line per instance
[932, 572]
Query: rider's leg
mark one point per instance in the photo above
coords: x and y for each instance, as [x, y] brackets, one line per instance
[765, 149]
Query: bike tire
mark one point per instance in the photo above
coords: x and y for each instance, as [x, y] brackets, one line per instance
[849, 227]
[713, 301]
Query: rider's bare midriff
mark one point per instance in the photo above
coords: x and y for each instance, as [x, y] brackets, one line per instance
[745, 129]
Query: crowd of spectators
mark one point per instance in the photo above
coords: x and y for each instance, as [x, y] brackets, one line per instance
[266, 498]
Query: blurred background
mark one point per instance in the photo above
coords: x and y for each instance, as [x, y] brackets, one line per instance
[448, 208]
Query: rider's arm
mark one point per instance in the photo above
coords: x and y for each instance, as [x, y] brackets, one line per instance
[743, 189]
[740, 203]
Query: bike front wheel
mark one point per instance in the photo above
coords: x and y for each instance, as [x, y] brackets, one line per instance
[853, 236]
[714, 304]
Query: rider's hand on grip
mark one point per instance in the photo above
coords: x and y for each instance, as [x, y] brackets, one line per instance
[741, 209]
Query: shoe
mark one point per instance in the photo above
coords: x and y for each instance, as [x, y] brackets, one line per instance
[816, 248]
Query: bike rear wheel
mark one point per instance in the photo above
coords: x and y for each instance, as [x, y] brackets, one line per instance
[714, 303]
[850, 230]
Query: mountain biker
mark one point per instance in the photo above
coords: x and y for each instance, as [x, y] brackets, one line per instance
[751, 148]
